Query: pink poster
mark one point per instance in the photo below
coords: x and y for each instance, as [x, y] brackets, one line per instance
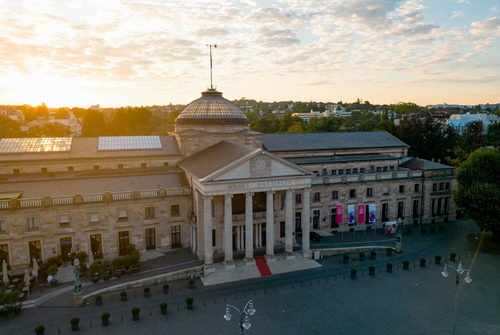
[339, 212]
[361, 213]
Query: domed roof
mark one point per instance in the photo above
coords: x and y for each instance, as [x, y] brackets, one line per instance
[211, 108]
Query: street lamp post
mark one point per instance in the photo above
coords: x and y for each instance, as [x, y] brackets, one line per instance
[460, 270]
[245, 314]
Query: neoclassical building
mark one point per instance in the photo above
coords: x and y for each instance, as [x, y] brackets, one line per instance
[212, 185]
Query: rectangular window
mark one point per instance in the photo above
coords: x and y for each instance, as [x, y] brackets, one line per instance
[447, 186]
[174, 210]
[362, 170]
[335, 195]
[122, 215]
[282, 229]
[379, 169]
[385, 212]
[33, 223]
[354, 170]
[316, 172]
[372, 168]
[94, 218]
[123, 242]
[369, 192]
[334, 172]
[352, 194]
[71, 169]
[298, 221]
[440, 207]
[44, 170]
[63, 220]
[401, 210]
[16, 171]
[150, 236]
[415, 208]
[35, 250]
[333, 218]
[4, 253]
[401, 189]
[298, 198]
[341, 171]
[441, 186]
[316, 217]
[347, 171]
[317, 197]
[144, 165]
[96, 245]
[149, 212]
[446, 209]
[417, 188]
[175, 235]
[391, 167]
[165, 164]
[385, 169]
[434, 186]
[96, 167]
[3, 226]
[120, 166]
[325, 172]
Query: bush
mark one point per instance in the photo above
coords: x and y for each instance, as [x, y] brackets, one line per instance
[406, 263]
[361, 254]
[189, 300]
[146, 290]
[135, 310]
[123, 294]
[166, 286]
[95, 268]
[117, 263]
[75, 321]
[437, 259]
[422, 261]
[57, 260]
[105, 316]
[163, 305]
[346, 257]
[371, 268]
[82, 256]
[452, 256]
[191, 281]
[353, 272]
[372, 253]
[389, 265]
[39, 329]
[52, 270]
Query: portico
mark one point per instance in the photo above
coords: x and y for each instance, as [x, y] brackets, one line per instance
[261, 179]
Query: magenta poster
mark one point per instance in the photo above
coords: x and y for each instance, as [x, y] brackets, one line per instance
[338, 211]
[361, 213]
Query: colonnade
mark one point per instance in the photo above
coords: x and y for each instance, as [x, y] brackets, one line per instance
[249, 238]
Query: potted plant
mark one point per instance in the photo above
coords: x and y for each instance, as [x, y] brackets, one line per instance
[422, 262]
[98, 300]
[406, 265]
[74, 324]
[389, 267]
[163, 308]
[389, 251]
[105, 319]
[453, 256]
[165, 289]
[191, 283]
[372, 254]
[353, 273]
[189, 303]
[147, 292]
[361, 256]
[135, 313]
[123, 296]
[39, 330]
[437, 259]
[345, 259]
[371, 270]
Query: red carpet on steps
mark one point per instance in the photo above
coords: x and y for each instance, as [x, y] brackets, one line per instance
[262, 266]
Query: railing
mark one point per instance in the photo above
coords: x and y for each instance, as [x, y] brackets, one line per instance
[30, 203]
[336, 179]
[122, 196]
[62, 201]
[148, 194]
[4, 204]
[92, 198]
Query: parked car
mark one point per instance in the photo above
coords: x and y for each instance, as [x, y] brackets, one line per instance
[313, 236]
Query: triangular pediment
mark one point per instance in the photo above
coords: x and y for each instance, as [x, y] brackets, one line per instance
[258, 164]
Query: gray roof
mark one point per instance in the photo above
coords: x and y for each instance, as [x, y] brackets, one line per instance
[339, 158]
[211, 159]
[86, 148]
[330, 141]
[34, 186]
[424, 164]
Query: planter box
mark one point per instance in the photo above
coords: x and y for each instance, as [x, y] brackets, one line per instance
[163, 311]
[75, 328]
[135, 317]
[105, 322]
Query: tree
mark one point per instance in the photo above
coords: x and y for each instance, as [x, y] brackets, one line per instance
[493, 136]
[94, 124]
[474, 138]
[9, 128]
[478, 189]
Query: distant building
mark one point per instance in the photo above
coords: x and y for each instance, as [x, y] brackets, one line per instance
[445, 105]
[459, 122]
[95, 107]
[330, 110]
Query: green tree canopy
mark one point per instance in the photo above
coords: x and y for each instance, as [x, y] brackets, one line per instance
[478, 189]
[494, 135]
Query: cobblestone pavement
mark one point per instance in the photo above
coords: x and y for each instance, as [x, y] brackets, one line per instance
[318, 301]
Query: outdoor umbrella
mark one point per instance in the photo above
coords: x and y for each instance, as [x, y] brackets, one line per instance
[27, 280]
[91, 258]
[5, 275]
[34, 272]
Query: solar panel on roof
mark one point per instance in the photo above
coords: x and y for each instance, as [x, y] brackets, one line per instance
[39, 144]
[128, 142]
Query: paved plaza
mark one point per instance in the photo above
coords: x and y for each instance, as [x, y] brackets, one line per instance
[322, 300]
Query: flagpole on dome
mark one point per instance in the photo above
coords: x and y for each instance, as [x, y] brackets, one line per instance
[210, 47]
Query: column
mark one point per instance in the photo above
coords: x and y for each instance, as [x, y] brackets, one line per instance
[207, 228]
[248, 226]
[288, 222]
[270, 224]
[228, 228]
[306, 222]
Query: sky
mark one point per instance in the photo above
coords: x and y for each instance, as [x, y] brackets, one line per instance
[127, 53]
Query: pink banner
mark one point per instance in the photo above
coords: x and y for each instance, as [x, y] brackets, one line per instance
[339, 212]
[361, 213]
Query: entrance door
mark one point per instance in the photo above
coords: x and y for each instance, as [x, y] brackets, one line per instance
[263, 232]
[385, 212]
[96, 245]
[66, 246]
[175, 236]
[35, 250]
[150, 238]
[235, 238]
